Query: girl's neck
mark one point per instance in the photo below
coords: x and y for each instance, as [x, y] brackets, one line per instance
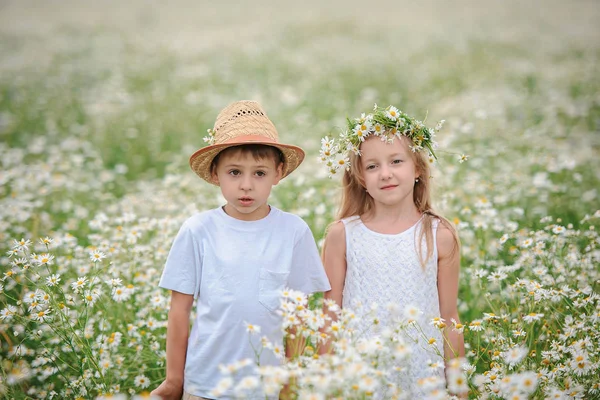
[393, 217]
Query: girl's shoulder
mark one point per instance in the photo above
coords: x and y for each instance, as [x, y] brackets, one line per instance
[437, 221]
[349, 220]
[335, 237]
[446, 237]
[336, 229]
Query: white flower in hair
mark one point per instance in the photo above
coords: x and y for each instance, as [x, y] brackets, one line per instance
[392, 113]
[362, 130]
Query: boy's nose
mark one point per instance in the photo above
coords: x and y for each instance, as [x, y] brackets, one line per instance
[246, 183]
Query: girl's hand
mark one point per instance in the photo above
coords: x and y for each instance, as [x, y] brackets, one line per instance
[169, 390]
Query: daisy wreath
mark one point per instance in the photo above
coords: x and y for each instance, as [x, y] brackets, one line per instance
[386, 123]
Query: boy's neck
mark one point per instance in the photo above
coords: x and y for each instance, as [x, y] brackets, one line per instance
[256, 215]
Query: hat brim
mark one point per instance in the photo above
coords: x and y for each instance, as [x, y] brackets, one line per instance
[202, 159]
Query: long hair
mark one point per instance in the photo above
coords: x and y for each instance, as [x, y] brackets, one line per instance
[356, 200]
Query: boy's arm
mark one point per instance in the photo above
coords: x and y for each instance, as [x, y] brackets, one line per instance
[178, 327]
[334, 261]
[448, 275]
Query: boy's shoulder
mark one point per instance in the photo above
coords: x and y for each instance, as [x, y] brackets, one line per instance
[200, 219]
[289, 219]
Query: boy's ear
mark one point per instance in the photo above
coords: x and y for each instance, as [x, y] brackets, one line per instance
[214, 177]
[279, 173]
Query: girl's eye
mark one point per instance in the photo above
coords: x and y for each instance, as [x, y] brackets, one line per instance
[261, 173]
[396, 161]
[370, 166]
[234, 172]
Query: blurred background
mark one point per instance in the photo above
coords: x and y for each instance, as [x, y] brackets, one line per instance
[100, 99]
[142, 80]
[102, 103]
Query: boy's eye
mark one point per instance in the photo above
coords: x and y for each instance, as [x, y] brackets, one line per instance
[234, 172]
[261, 173]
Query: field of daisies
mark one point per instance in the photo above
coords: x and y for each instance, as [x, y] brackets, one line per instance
[102, 104]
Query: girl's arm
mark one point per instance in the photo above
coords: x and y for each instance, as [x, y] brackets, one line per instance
[448, 273]
[178, 329]
[334, 261]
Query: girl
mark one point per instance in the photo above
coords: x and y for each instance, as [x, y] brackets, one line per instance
[389, 247]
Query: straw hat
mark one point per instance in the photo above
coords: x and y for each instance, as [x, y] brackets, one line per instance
[243, 122]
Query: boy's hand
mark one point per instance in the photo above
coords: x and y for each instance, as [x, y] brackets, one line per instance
[169, 390]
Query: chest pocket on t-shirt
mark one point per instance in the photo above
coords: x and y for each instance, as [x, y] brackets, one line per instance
[271, 284]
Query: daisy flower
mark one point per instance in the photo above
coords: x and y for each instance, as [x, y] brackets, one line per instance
[457, 326]
[532, 317]
[210, 138]
[119, 294]
[439, 125]
[526, 243]
[368, 384]
[378, 129]
[476, 325]
[457, 382]
[53, 280]
[392, 113]
[515, 355]
[527, 382]
[97, 255]
[411, 312]
[42, 316]
[246, 384]
[21, 245]
[362, 131]
[438, 322]
[344, 163]
[7, 313]
[79, 283]
[497, 276]
[114, 282]
[580, 363]
[45, 259]
[250, 328]
[46, 241]
[222, 386]
[141, 381]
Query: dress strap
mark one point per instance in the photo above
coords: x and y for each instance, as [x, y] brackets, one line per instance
[349, 224]
[348, 220]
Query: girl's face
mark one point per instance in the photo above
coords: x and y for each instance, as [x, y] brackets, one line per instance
[389, 171]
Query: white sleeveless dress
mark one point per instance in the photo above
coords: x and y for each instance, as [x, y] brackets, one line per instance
[386, 269]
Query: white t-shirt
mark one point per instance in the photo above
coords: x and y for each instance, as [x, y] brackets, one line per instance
[236, 269]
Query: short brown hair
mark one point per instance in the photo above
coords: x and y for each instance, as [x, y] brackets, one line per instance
[258, 151]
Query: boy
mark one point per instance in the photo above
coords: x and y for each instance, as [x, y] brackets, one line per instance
[235, 260]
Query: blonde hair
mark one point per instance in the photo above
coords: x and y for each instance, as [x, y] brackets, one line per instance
[356, 200]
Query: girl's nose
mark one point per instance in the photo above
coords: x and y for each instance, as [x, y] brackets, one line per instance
[386, 172]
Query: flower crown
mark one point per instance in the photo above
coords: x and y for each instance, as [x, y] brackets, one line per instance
[386, 123]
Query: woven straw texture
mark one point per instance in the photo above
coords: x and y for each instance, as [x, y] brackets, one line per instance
[243, 122]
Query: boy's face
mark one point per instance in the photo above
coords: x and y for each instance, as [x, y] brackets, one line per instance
[246, 183]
